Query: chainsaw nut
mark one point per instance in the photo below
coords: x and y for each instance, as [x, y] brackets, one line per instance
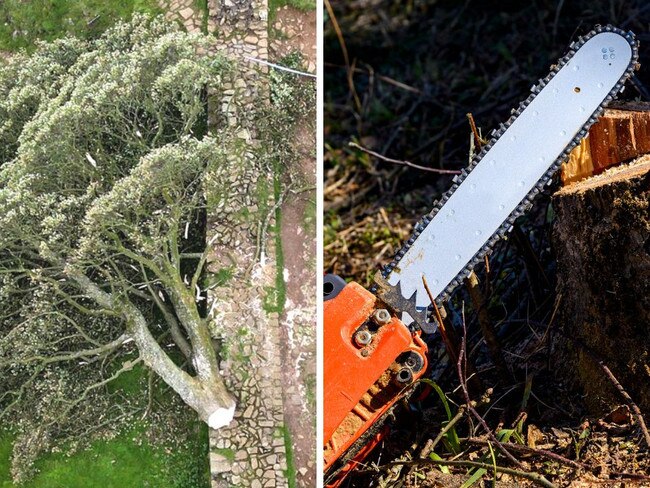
[362, 338]
[381, 316]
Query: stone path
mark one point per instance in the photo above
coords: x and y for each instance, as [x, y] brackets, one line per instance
[261, 357]
[251, 451]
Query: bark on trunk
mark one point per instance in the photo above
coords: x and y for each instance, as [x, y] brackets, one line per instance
[602, 243]
[206, 393]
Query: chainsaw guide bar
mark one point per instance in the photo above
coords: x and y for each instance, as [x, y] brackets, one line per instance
[502, 181]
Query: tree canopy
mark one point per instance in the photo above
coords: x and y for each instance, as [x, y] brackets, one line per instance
[103, 153]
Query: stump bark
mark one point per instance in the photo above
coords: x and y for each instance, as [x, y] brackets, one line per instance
[602, 242]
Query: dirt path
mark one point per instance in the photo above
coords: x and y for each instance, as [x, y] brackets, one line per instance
[296, 31]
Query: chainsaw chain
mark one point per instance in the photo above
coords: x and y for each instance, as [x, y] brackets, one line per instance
[527, 202]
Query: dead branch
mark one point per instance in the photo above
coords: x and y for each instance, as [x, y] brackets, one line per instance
[537, 452]
[403, 163]
[628, 400]
[534, 477]
[478, 140]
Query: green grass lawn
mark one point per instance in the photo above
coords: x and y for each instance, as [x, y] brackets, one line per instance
[119, 463]
[23, 22]
[128, 460]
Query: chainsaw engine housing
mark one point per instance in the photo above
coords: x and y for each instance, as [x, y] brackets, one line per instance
[370, 358]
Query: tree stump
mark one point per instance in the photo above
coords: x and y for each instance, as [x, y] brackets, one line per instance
[622, 133]
[602, 243]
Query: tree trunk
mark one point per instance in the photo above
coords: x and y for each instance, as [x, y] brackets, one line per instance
[602, 242]
[206, 393]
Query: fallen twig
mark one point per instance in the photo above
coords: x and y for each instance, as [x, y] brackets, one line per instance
[534, 477]
[387, 79]
[430, 447]
[403, 163]
[538, 452]
[628, 400]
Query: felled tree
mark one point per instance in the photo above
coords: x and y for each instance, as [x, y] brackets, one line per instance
[103, 154]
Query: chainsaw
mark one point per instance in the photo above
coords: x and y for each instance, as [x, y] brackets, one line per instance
[374, 352]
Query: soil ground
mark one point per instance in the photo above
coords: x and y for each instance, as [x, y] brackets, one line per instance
[296, 31]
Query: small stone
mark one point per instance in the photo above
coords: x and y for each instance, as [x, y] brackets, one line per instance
[186, 13]
[303, 471]
[250, 39]
[256, 484]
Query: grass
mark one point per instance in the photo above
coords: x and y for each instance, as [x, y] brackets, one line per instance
[120, 462]
[228, 453]
[290, 472]
[302, 5]
[281, 286]
[23, 23]
[130, 459]
[6, 443]
[276, 297]
[202, 7]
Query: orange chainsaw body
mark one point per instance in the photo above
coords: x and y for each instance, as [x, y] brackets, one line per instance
[369, 359]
